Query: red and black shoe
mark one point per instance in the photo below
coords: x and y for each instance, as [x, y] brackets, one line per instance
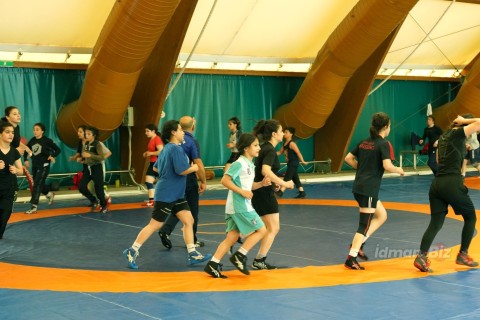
[464, 259]
[351, 263]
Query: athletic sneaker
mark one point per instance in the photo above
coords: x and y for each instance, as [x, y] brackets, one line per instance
[301, 195]
[214, 269]
[260, 264]
[50, 196]
[422, 263]
[196, 257]
[239, 260]
[165, 239]
[199, 244]
[361, 253]
[32, 210]
[93, 206]
[131, 255]
[464, 259]
[104, 209]
[149, 203]
[351, 263]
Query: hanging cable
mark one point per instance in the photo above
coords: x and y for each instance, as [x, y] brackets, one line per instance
[414, 50]
[174, 84]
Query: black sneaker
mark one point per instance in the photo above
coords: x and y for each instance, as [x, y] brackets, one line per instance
[301, 195]
[260, 264]
[93, 206]
[422, 263]
[165, 239]
[351, 263]
[239, 260]
[104, 209]
[214, 269]
[361, 253]
[199, 244]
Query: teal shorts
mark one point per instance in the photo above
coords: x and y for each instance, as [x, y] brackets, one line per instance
[244, 222]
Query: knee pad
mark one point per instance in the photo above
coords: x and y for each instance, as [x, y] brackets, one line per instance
[364, 223]
[149, 185]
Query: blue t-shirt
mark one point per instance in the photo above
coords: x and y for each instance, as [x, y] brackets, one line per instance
[170, 163]
[192, 150]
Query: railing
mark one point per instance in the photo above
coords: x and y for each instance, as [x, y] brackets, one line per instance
[320, 166]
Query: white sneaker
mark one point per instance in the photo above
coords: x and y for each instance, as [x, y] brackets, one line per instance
[32, 210]
[50, 196]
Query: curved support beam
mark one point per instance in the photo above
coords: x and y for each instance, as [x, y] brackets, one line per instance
[364, 29]
[131, 32]
[466, 101]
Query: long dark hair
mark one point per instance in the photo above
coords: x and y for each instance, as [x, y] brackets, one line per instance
[245, 140]
[9, 109]
[379, 121]
[265, 128]
[168, 127]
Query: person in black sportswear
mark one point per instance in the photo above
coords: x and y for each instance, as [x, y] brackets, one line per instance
[264, 202]
[44, 151]
[432, 133]
[447, 188]
[371, 157]
[10, 167]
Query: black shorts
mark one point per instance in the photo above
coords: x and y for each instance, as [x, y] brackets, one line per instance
[233, 157]
[264, 201]
[150, 171]
[450, 190]
[365, 201]
[161, 210]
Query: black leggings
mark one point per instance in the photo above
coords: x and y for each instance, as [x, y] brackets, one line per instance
[39, 176]
[292, 174]
[436, 223]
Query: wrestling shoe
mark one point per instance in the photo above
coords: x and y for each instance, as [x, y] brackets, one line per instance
[422, 263]
[149, 203]
[214, 269]
[195, 257]
[260, 264]
[239, 260]
[351, 263]
[165, 239]
[131, 255]
[199, 244]
[464, 259]
[32, 210]
[50, 196]
[361, 253]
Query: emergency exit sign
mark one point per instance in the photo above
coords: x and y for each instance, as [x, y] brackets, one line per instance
[6, 63]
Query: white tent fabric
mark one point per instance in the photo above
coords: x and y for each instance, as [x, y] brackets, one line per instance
[241, 34]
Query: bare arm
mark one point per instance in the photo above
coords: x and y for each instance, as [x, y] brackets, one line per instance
[267, 172]
[472, 125]
[351, 161]
[294, 147]
[193, 168]
[388, 165]
[228, 183]
[201, 175]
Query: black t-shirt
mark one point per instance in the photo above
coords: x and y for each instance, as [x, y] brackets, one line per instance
[370, 154]
[451, 151]
[16, 135]
[432, 134]
[268, 156]
[7, 179]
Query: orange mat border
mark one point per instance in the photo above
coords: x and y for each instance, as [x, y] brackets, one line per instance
[41, 278]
